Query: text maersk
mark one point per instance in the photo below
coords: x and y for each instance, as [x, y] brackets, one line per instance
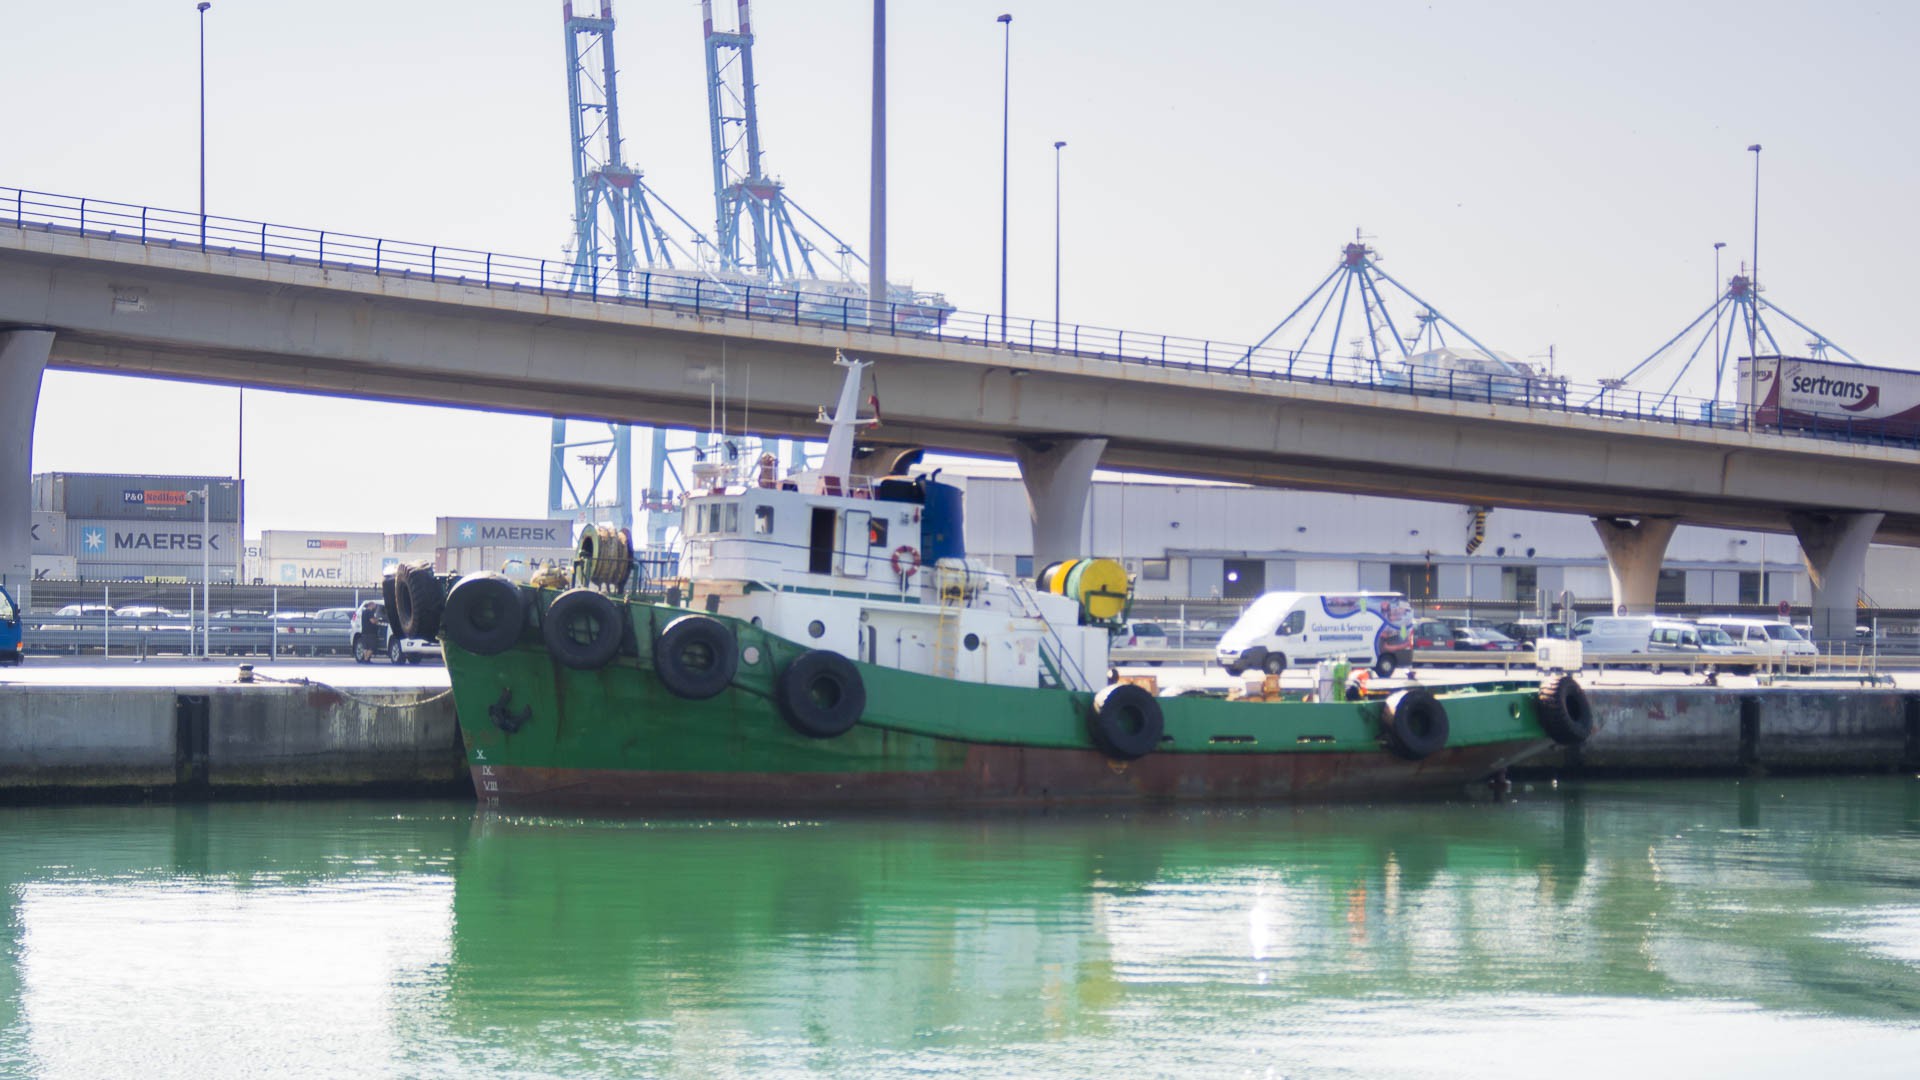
[547, 533]
[152, 541]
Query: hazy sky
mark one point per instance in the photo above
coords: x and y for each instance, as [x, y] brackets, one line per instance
[1547, 175]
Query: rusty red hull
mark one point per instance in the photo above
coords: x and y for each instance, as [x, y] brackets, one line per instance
[1011, 777]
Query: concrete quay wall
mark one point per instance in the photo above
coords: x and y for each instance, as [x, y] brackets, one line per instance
[1779, 729]
[225, 739]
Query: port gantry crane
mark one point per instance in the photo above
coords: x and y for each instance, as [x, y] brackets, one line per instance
[616, 238]
[1356, 279]
[1738, 314]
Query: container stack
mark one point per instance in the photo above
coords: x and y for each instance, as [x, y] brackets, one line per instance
[125, 527]
[466, 545]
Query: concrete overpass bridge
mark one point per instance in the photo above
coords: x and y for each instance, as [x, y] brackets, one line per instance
[106, 287]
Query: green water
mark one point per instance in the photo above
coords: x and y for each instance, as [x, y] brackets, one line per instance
[1633, 930]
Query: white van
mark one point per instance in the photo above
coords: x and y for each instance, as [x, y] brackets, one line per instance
[1283, 628]
[1763, 637]
[1674, 636]
[1611, 635]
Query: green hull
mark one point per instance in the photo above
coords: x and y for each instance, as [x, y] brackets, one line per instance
[618, 738]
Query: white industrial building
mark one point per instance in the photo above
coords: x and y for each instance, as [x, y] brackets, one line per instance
[1191, 540]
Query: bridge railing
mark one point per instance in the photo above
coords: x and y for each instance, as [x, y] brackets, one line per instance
[844, 306]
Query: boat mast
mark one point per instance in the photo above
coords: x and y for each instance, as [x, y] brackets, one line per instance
[838, 463]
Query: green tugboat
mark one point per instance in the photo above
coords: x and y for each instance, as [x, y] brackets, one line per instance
[832, 647]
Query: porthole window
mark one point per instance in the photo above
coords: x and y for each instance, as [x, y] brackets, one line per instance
[750, 655]
[971, 641]
[816, 628]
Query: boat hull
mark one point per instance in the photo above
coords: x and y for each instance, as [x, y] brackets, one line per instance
[542, 735]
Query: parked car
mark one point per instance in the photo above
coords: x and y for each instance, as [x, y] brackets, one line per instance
[1483, 639]
[85, 610]
[1528, 632]
[1673, 637]
[329, 631]
[1763, 637]
[1140, 635]
[1430, 634]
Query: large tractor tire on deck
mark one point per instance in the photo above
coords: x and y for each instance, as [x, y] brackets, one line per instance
[1565, 713]
[1126, 722]
[583, 629]
[484, 614]
[1414, 724]
[696, 657]
[420, 600]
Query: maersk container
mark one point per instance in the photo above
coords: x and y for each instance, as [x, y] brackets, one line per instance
[1820, 395]
[49, 528]
[129, 496]
[514, 561]
[103, 541]
[55, 568]
[279, 544]
[464, 532]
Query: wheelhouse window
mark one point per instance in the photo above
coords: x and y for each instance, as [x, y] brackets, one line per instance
[763, 520]
[733, 517]
[877, 532]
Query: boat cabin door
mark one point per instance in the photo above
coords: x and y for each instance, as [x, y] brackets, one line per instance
[854, 542]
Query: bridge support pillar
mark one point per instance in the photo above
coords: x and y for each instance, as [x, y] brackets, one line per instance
[23, 359]
[1834, 547]
[1059, 476]
[1635, 550]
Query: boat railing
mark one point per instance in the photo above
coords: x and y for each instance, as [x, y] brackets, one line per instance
[1064, 662]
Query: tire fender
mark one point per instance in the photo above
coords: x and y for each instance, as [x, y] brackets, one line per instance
[696, 657]
[583, 629]
[484, 614]
[1413, 724]
[821, 694]
[1565, 712]
[1126, 722]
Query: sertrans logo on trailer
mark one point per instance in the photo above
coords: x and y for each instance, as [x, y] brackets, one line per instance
[154, 499]
[1844, 394]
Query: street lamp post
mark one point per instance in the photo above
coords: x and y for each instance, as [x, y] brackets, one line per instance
[202, 8]
[1006, 116]
[1056, 242]
[1753, 297]
[1719, 358]
[206, 578]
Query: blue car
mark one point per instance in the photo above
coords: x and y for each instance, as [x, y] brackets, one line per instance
[9, 628]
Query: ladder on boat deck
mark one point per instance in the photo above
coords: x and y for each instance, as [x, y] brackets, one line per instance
[1057, 662]
[950, 592]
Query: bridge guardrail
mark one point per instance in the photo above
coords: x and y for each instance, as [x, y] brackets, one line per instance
[924, 317]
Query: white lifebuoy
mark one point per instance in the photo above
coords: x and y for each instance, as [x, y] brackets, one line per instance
[906, 560]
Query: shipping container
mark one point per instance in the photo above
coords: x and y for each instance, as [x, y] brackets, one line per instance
[152, 573]
[351, 568]
[416, 544]
[284, 544]
[134, 497]
[498, 532]
[1820, 395]
[165, 543]
[49, 533]
[55, 568]
[514, 561]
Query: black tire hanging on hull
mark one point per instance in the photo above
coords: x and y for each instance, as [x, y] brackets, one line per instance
[484, 614]
[1126, 722]
[583, 629]
[696, 657]
[821, 694]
